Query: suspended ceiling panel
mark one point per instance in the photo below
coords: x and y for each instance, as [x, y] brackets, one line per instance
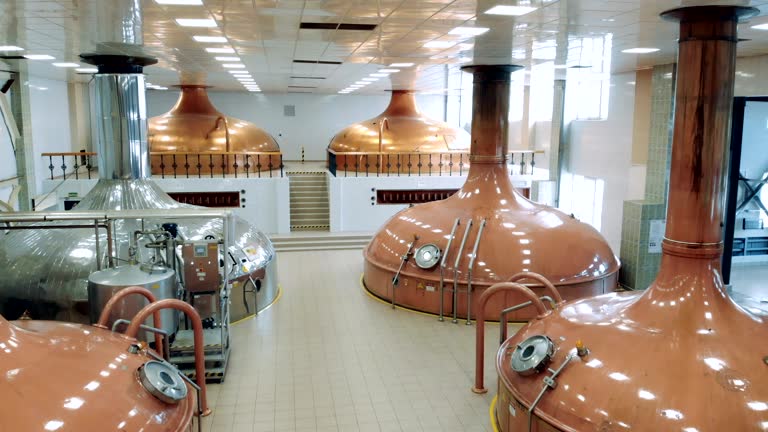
[268, 39]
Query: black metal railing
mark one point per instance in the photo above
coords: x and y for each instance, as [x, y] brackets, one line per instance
[71, 164]
[382, 164]
[217, 164]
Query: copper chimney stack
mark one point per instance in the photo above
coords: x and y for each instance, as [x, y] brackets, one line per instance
[682, 355]
[439, 257]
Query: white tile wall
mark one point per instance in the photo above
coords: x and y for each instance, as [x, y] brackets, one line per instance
[602, 149]
[49, 107]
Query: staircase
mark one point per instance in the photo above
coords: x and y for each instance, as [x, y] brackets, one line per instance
[309, 201]
[307, 241]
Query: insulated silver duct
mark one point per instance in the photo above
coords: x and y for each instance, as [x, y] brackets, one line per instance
[120, 123]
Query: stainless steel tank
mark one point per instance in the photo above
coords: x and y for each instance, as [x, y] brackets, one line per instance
[159, 280]
[46, 271]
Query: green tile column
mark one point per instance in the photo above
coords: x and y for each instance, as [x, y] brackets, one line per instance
[639, 266]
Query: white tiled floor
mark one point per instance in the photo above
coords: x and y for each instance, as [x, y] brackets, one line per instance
[751, 280]
[327, 357]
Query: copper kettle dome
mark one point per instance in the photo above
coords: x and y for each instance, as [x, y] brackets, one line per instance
[682, 355]
[194, 125]
[96, 381]
[401, 128]
[486, 232]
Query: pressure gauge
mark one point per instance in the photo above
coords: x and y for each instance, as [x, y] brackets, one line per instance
[427, 256]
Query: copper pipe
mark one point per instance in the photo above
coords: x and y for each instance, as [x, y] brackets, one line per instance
[554, 293]
[219, 119]
[490, 113]
[118, 296]
[197, 328]
[707, 59]
[480, 328]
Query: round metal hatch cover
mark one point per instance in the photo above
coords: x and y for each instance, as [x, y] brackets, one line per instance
[532, 355]
[427, 256]
[163, 381]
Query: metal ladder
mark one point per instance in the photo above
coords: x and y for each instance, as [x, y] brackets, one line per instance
[457, 262]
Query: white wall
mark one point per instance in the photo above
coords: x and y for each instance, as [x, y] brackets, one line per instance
[353, 209]
[318, 117]
[51, 127]
[601, 151]
[266, 207]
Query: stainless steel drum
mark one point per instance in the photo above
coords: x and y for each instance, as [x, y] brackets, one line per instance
[159, 280]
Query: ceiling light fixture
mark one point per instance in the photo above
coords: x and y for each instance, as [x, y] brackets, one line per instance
[180, 2]
[39, 57]
[389, 70]
[468, 31]
[225, 50]
[510, 10]
[196, 22]
[439, 44]
[401, 65]
[639, 50]
[87, 70]
[235, 59]
[763, 26]
[363, 83]
[66, 65]
[210, 39]
[234, 65]
[10, 48]
[370, 79]
[379, 75]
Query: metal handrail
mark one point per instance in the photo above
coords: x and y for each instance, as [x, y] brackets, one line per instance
[456, 271]
[465, 152]
[471, 266]
[404, 259]
[447, 249]
[504, 312]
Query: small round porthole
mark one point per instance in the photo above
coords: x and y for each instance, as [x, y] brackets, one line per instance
[163, 381]
[427, 256]
[532, 355]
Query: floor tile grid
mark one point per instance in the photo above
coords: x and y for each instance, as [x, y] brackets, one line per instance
[327, 357]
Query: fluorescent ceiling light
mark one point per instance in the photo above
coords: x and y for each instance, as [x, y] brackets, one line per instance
[639, 50]
[246, 80]
[356, 86]
[180, 2]
[234, 65]
[401, 65]
[207, 39]
[510, 10]
[370, 79]
[362, 83]
[66, 65]
[379, 75]
[196, 22]
[10, 48]
[237, 59]
[225, 50]
[469, 31]
[39, 57]
[464, 59]
[87, 70]
[389, 70]
[439, 44]
[760, 26]
[238, 72]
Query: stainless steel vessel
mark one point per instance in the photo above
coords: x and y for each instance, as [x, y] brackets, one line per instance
[47, 270]
[159, 280]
